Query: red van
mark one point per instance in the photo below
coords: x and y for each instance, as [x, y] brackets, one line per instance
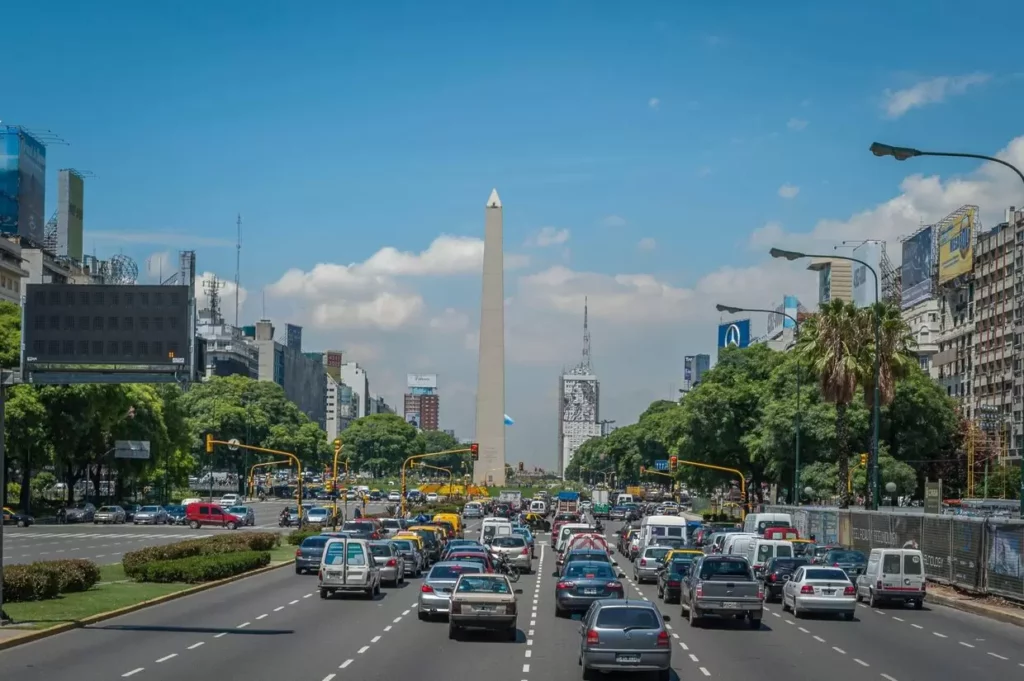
[201, 513]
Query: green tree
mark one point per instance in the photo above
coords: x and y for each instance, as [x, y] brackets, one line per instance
[378, 443]
[428, 441]
[10, 335]
[26, 438]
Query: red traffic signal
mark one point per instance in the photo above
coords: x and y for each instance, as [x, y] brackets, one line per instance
[673, 462]
[474, 451]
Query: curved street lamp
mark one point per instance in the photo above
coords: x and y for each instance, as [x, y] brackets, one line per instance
[877, 408]
[796, 466]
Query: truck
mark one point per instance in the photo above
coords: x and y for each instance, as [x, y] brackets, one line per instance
[722, 586]
[568, 502]
[510, 496]
[600, 506]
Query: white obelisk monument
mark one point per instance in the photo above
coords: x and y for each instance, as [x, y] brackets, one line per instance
[490, 387]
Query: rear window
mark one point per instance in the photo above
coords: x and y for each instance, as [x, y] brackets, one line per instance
[789, 563]
[723, 569]
[106, 509]
[821, 573]
[589, 571]
[679, 567]
[784, 551]
[633, 617]
[149, 509]
[380, 550]
[666, 531]
[471, 559]
[403, 545]
[509, 542]
[600, 556]
[912, 564]
[334, 556]
[765, 524]
[657, 553]
[483, 584]
[846, 556]
[891, 563]
[451, 571]
[764, 552]
[314, 542]
[357, 527]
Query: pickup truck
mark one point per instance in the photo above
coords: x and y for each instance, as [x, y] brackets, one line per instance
[722, 586]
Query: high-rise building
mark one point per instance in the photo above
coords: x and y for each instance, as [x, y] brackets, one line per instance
[694, 367]
[835, 279]
[354, 376]
[22, 185]
[421, 404]
[578, 404]
[302, 378]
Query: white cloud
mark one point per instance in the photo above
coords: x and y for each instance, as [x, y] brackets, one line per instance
[647, 244]
[789, 191]
[450, 321]
[796, 124]
[654, 103]
[549, 236]
[933, 91]
[614, 221]
[158, 267]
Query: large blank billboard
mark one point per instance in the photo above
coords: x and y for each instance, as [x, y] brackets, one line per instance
[916, 271]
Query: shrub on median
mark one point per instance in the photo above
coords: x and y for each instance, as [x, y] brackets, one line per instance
[73, 575]
[235, 542]
[29, 583]
[203, 568]
[296, 537]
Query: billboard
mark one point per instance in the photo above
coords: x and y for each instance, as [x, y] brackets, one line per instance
[863, 280]
[421, 381]
[71, 329]
[777, 322]
[22, 184]
[413, 418]
[70, 214]
[687, 371]
[918, 261]
[293, 335]
[825, 284]
[734, 334]
[420, 392]
[956, 245]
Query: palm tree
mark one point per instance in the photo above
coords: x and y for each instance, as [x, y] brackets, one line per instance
[897, 343]
[832, 342]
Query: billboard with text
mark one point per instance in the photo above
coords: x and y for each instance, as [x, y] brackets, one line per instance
[918, 264]
[421, 381]
[956, 245]
[778, 322]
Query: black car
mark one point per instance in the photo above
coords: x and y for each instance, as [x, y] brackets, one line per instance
[82, 513]
[11, 517]
[670, 577]
[376, 496]
[176, 514]
[777, 572]
[853, 563]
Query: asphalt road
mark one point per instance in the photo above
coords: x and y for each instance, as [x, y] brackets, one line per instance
[107, 543]
[274, 626]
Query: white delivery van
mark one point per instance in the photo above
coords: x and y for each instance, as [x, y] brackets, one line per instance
[735, 543]
[348, 566]
[760, 551]
[757, 523]
[670, 526]
[538, 506]
[624, 499]
[565, 533]
[494, 527]
[893, 575]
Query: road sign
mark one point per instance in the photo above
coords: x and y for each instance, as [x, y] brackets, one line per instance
[131, 449]
[233, 444]
[661, 465]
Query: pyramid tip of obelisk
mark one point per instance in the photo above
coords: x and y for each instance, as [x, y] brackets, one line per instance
[494, 201]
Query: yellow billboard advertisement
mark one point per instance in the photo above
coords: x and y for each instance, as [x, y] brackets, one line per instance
[956, 245]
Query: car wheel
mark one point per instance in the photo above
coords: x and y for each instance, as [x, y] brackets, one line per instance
[299, 571]
[232, 526]
[193, 524]
[95, 522]
[918, 605]
[796, 612]
[694, 617]
[323, 594]
[452, 631]
[872, 601]
[664, 674]
[588, 674]
[755, 623]
[22, 523]
[422, 616]
[513, 633]
[848, 616]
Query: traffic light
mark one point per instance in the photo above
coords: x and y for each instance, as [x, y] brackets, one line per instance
[209, 443]
[474, 451]
[521, 467]
[863, 459]
[337, 445]
[673, 463]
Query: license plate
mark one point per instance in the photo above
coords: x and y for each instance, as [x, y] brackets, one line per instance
[483, 608]
[334, 575]
[829, 592]
[628, 658]
[590, 592]
[729, 605]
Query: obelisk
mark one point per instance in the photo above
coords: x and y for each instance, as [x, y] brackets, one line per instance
[489, 469]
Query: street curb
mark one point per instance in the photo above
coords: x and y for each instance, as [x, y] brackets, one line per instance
[39, 634]
[976, 609]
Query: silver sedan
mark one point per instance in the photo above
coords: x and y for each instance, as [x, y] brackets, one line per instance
[391, 564]
[109, 515]
[150, 515]
[820, 590]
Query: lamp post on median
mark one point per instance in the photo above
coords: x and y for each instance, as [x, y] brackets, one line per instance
[796, 465]
[877, 406]
[902, 154]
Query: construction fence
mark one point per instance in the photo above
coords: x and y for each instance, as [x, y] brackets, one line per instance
[982, 555]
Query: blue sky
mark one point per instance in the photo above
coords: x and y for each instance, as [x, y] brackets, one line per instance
[660, 135]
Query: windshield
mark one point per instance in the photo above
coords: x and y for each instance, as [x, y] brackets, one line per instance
[657, 554]
[482, 584]
[403, 544]
[509, 542]
[589, 571]
[622, 618]
[106, 509]
[823, 573]
[380, 550]
[241, 509]
[149, 509]
[314, 542]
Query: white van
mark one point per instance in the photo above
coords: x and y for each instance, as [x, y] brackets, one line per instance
[494, 527]
[757, 523]
[624, 499]
[538, 506]
[760, 551]
[735, 543]
[670, 526]
[348, 566]
[565, 532]
[893, 575]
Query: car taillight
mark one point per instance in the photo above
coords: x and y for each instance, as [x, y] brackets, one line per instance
[643, 562]
[298, 552]
[375, 535]
[760, 590]
[614, 586]
[773, 577]
[525, 551]
[807, 589]
[849, 591]
[663, 639]
[699, 591]
[426, 589]
[391, 563]
[878, 584]
[924, 586]
[592, 638]
[835, 564]
[673, 582]
[320, 575]
[563, 585]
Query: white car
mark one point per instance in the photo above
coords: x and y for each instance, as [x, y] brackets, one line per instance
[394, 496]
[229, 500]
[820, 590]
[432, 497]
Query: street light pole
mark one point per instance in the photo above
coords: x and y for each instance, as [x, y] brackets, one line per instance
[796, 333]
[902, 154]
[877, 415]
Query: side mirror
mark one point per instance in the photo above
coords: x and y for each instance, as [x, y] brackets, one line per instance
[518, 591]
[621, 575]
[666, 618]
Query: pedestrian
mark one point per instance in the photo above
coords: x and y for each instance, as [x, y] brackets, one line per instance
[62, 515]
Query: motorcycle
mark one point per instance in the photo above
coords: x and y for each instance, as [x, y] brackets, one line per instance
[507, 569]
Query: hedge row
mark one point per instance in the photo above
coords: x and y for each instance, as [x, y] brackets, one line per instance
[48, 579]
[202, 568]
[134, 562]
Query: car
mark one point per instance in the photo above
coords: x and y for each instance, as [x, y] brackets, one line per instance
[394, 525]
[394, 495]
[150, 515]
[722, 586]
[363, 529]
[348, 566]
[777, 572]
[469, 544]
[319, 515]
[853, 563]
[586, 555]
[820, 590]
[625, 636]
[109, 515]
[473, 509]
[582, 583]
[82, 513]
[410, 555]
[391, 565]
[645, 567]
[229, 500]
[376, 496]
[246, 513]
[431, 497]
[525, 533]
[435, 592]
[309, 554]
[670, 578]
[175, 514]
[480, 601]
[202, 513]
[12, 517]
[514, 550]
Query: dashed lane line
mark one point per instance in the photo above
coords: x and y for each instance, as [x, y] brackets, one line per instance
[132, 672]
[345, 663]
[861, 662]
[167, 657]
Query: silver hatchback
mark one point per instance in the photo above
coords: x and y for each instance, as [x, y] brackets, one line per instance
[625, 636]
[436, 590]
[391, 564]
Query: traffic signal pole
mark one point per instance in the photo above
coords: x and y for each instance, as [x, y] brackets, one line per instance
[473, 449]
[698, 464]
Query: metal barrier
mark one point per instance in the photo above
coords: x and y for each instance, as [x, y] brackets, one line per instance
[982, 555]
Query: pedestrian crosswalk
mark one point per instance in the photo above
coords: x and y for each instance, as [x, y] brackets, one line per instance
[43, 536]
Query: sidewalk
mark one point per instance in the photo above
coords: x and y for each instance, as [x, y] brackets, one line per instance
[990, 607]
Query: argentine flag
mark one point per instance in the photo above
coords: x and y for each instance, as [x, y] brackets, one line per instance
[509, 421]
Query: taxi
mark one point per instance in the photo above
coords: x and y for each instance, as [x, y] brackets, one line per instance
[803, 548]
[439, 532]
[681, 554]
[453, 519]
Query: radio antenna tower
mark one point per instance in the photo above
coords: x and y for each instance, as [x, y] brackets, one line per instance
[212, 287]
[238, 265]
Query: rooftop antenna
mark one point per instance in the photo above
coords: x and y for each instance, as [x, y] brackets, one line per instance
[263, 291]
[238, 264]
[586, 335]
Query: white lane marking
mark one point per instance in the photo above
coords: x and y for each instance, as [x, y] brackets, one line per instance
[535, 608]
[533, 623]
[879, 612]
[694, 657]
[675, 635]
[529, 641]
[705, 672]
[803, 630]
[262, 616]
[997, 656]
[861, 662]
[939, 635]
[375, 639]
[897, 618]
[329, 677]
[819, 639]
[917, 626]
[387, 628]
[789, 621]
[530, 632]
[223, 633]
[777, 614]
[196, 645]
[839, 650]
[307, 595]
[293, 602]
[243, 625]
[966, 645]
[363, 649]
[684, 646]
[348, 662]
[529, 653]
[405, 612]
[887, 677]
[526, 669]
[167, 657]
[279, 608]
[132, 672]
[397, 620]
[668, 626]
